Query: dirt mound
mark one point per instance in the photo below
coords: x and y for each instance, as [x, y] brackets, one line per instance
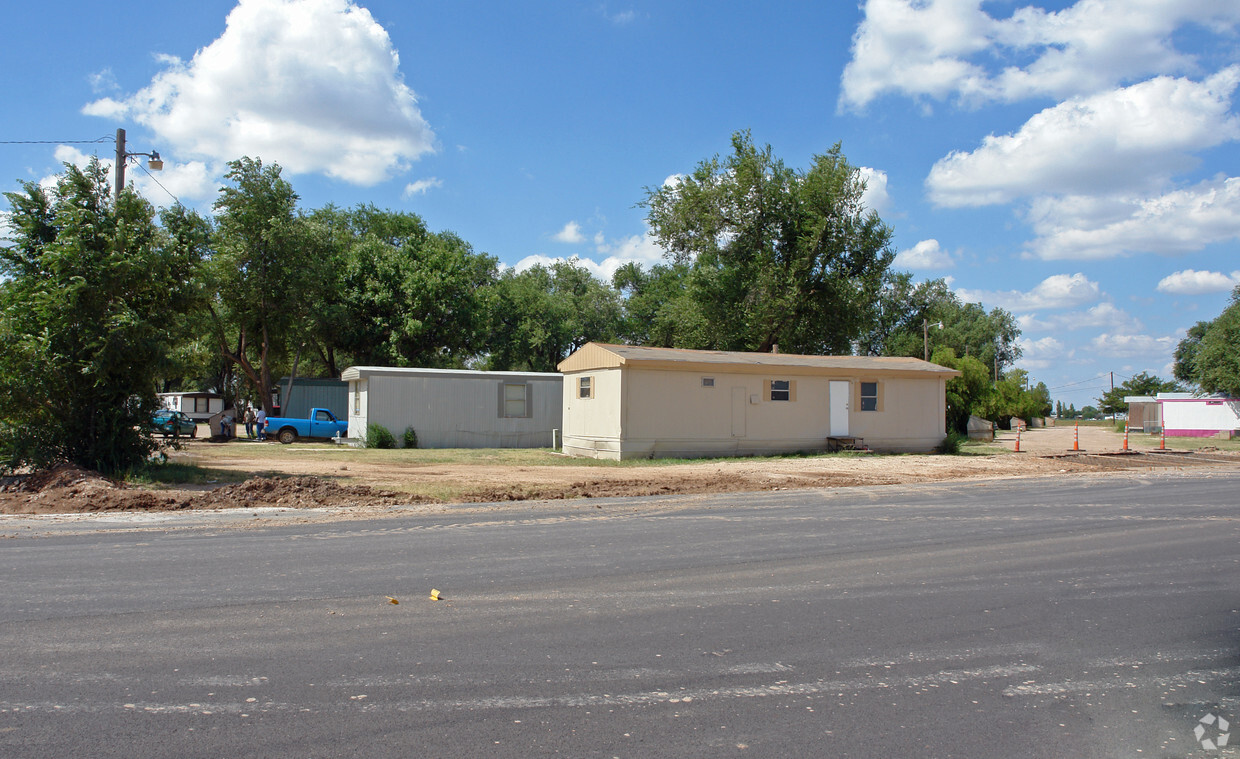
[70, 489]
[302, 492]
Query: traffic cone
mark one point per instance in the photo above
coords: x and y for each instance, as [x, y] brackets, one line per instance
[1018, 438]
[1076, 437]
[1125, 438]
[1162, 440]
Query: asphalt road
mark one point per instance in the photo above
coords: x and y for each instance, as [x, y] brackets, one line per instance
[1087, 617]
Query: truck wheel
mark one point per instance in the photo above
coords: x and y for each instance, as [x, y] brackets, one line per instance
[287, 436]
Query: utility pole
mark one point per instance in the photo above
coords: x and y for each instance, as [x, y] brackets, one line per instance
[153, 163]
[120, 163]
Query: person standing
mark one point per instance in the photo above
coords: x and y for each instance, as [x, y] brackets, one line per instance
[249, 421]
[260, 421]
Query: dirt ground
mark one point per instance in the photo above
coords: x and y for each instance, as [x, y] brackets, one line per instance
[315, 481]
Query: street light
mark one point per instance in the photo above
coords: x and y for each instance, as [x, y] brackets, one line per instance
[154, 163]
[925, 336]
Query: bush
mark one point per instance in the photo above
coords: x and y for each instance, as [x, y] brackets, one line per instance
[951, 444]
[378, 436]
[411, 438]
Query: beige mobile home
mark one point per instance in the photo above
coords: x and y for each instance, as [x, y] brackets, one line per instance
[623, 402]
[456, 408]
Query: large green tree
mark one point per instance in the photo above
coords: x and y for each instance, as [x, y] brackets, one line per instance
[775, 255]
[262, 274]
[1112, 401]
[908, 316]
[401, 295]
[1209, 357]
[90, 290]
[544, 313]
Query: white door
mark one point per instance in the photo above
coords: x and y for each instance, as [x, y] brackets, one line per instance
[738, 411]
[838, 402]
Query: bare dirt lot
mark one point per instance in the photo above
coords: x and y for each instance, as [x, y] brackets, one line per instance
[360, 481]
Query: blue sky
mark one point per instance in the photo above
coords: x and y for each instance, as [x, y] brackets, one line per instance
[1075, 163]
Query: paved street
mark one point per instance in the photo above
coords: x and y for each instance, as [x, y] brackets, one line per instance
[1086, 617]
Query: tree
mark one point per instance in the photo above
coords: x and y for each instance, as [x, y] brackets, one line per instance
[400, 294]
[775, 255]
[1209, 357]
[261, 273]
[657, 309]
[967, 394]
[89, 295]
[968, 329]
[1112, 401]
[544, 313]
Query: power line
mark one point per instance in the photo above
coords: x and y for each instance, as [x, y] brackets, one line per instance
[109, 138]
[156, 181]
[1081, 382]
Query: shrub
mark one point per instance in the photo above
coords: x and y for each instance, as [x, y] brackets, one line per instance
[951, 444]
[378, 436]
[411, 438]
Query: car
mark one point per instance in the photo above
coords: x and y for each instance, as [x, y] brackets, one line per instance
[173, 424]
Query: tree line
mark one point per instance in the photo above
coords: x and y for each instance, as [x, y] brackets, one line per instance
[105, 302]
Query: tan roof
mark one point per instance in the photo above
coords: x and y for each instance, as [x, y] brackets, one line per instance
[603, 356]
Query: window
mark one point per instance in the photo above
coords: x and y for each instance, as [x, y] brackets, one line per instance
[869, 396]
[585, 387]
[708, 382]
[322, 415]
[514, 400]
[202, 405]
[357, 398]
[781, 390]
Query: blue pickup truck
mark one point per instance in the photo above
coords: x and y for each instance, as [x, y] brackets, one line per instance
[321, 424]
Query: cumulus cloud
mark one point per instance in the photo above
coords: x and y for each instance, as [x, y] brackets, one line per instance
[1134, 138]
[1149, 348]
[953, 48]
[1102, 316]
[875, 196]
[1058, 291]
[924, 255]
[571, 233]
[640, 249]
[1174, 223]
[313, 85]
[421, 187]
[1190, 282]
[1040, 354]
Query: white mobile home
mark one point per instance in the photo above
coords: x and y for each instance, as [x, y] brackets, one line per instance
[198, 406]
[624, 402]
[455, 408]
[1187, 415]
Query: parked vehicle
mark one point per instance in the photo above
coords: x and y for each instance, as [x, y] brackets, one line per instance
[321, 424]
[171, 423]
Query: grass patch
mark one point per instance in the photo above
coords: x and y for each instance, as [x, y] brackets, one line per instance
[1189, 443]
[178, 473]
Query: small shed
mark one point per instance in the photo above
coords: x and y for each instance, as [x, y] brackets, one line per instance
[199, 406]
[1143, 413]
[308, 393]
[456, 408]
[1187, 415]
[623, 402]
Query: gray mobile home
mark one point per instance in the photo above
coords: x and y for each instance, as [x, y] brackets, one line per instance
[457, 408]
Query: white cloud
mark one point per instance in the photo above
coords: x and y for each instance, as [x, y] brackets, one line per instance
[1058, 291]
[640, 249]
[1040, 354]
[571, 233]
[1102, 316]
[924, 255]
[945, 48]
[1190, 282]
[875, 196]
[313, 85]
[421, 187]
[1128, 139]
[1149, 348]
[1174, 223]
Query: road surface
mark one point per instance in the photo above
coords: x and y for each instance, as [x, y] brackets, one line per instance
[1081, 617]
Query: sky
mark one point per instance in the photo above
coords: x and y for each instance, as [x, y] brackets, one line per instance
[1075, 163]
